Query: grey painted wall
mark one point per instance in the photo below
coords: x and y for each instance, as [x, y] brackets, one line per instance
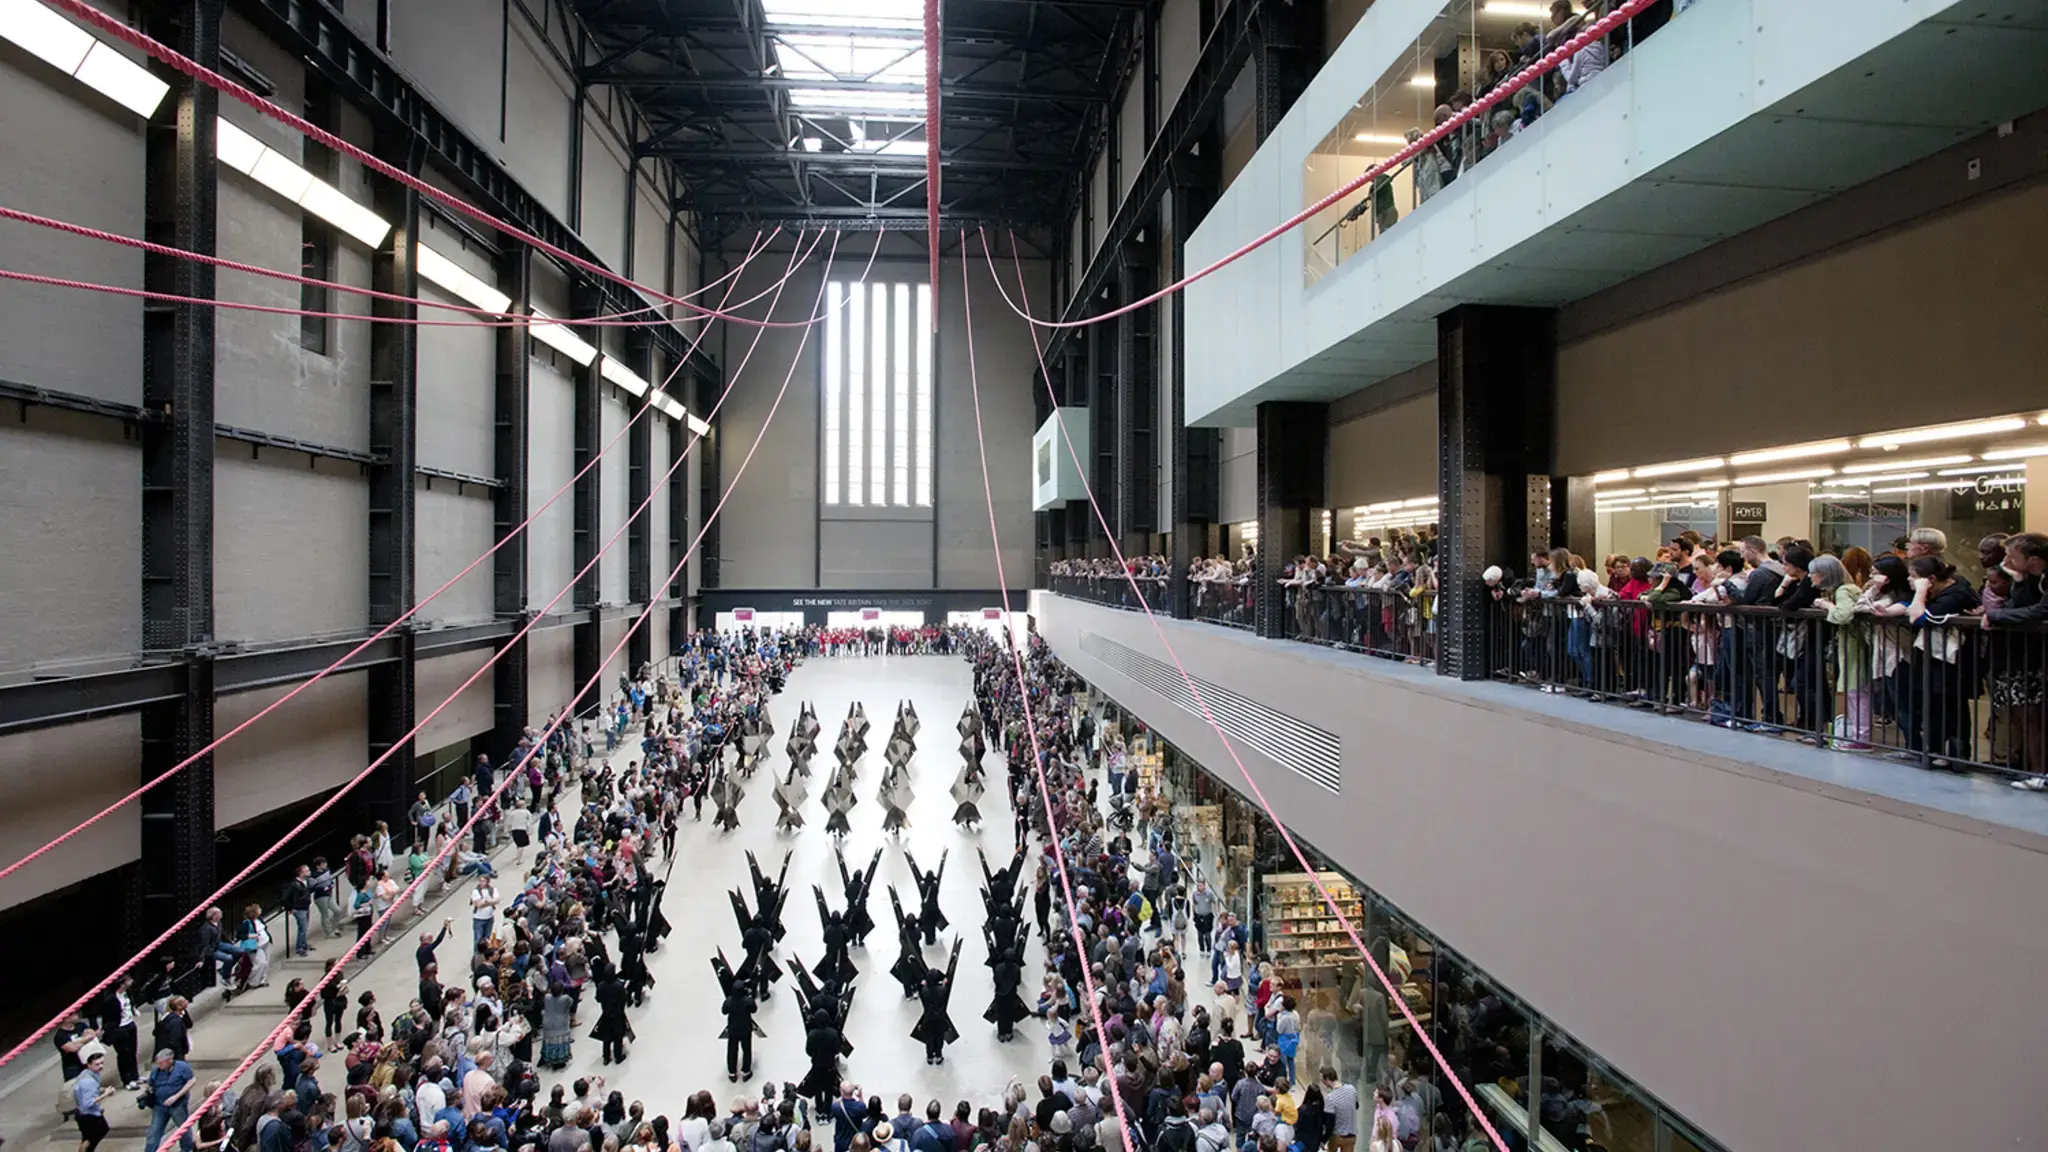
[70, 554]
[614, 501]
[1005, 362]
[1237, 493]
[87, 170]
[453, 528]
[1776, 959]
[538, 96]
[550, 672]
[551, 449]
[314, 743]
[470, 713]
[604, 186]
[290, 535]
[55, 777]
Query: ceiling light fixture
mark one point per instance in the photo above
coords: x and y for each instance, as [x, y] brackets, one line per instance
[1509, 9]
[1610, 476]
[561, 339]
[1889, 478]
[245, 154]
[444, 273]
[1775, 477]
[76, 52]
[623, 376]
[1677, 466]
[1946, 432]
[1372, 138]
[2017, 453]
[1895, 465]
[1793, 452]
[1980, 469]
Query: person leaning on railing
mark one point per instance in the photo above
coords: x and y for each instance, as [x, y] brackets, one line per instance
[1849, 660]
[2017, 660]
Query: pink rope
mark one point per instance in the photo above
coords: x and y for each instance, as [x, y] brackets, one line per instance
[380, 633]
[281, 310]
[1126, 1117]
[1393, 990]
[399, 745]
[1516, 83]
[87, 14]
[313, 994]
[603, 319]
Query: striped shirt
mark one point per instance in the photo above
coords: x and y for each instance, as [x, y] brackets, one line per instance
[1340, 1104]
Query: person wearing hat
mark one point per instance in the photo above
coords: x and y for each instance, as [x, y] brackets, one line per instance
[884, 1139]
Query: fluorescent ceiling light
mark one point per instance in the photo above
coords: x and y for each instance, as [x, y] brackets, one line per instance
[561, 339]
[236, 148]
[1371, 138]
[281, 176]
[623, 376]
[70, 49]
[328, 203]
[854, 100]
[1422, 81]
[440, 270]
[1419, 502]
[1946, 432]
[1508, 9]
[1671, 469]
[1616, 493]
[2017, 453]
[698, 427]
[1979, 469]
[43, 33]
[1796, 474]
[1794, 452]
[1702, 486]
[1895, 465]
[1610, 477]
[122, 80]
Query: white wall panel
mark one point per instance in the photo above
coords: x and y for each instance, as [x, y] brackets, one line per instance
[312, 744]
[101, 762]
[551, 452]
[70, 543]
[538, 98]
[604, 191]
[551, 666]
[1180, 45]
[451, 49]
[614, 500]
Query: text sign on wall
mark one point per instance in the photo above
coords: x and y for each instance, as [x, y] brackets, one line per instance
[991, 613]
[1749, 513]
[870, 614]
[743, 615]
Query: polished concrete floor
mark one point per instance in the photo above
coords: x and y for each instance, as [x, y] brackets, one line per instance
[678, 1050]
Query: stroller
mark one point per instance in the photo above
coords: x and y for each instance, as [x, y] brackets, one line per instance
[250, 969]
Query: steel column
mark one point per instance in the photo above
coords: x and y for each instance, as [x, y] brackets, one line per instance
[1101, 383]
[1195, 451]
[639, 486]
[709, 466]
[1496, 404]
[176, 867]
[1286, 47]
[1293, 449]
[394, 439]
[509, 505]
[588, 433]
[1137, 395]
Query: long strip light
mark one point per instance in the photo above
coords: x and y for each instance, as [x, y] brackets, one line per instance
[245, 154]
[561, 339]
[446, 274]
[1979, 469]
[1900, 465]
[1795, 474]
[1793, 452]
[699, 427]
[1701, 465]
[1611, 476]
[79, 54]
[616, 372]
[1887, 478]
[1945, 432]
[2017, 453]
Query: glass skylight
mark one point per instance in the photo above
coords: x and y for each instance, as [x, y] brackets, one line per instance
[881, 45]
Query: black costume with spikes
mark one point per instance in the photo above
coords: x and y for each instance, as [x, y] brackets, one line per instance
[856, 885]
[929, 916]
[934, 1027]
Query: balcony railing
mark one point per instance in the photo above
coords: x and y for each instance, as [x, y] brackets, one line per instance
[1226, 602]
[1392, 624]
[1114, 591]
[1947, 694]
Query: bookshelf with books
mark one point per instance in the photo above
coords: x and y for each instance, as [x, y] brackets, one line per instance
[1302, 935]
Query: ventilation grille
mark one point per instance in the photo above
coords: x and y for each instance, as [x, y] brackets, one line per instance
[1307, 750]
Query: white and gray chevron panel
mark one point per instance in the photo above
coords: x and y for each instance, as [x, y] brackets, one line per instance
[1309, 751]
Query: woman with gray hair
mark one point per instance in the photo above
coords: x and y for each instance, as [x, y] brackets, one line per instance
[1838, 596]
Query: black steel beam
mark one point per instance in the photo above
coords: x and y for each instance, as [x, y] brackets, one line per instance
[588, 434]
[509, 506]
[709, 387]
[180, 196]
[1224, 51]
[847, 161]
[1195, 452]
[394, 436]
[464, 479]
[30, 396]
[639, 491]
[644, 82]
[1137, 394]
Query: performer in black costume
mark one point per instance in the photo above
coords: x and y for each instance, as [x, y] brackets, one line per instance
[858, 922]
[1006, 1009]
[836, 964]
[934, 1027]
[929, 917]
[739, 1030]
[909, 968]
[612, 1029]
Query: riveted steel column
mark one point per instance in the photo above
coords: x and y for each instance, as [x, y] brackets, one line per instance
[509, 504]
[1293, 447]
[588, 433]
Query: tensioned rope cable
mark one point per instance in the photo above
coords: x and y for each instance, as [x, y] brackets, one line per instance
[1594, 31]
[366, 318]
[405, 740]
[605, 319]
[1052, 828]
[87, 14]
[1393, 990]
[313, 994]
[352, 653]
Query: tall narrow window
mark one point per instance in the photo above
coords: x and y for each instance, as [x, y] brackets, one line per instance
[835, 387]
[923, 371]
[878, 395]
[876, 403]
[856, 395]
[899, 395]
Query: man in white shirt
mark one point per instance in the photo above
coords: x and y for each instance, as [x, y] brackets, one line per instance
[483, 910]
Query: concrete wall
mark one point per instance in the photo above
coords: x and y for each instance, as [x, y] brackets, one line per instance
[1385, 455]
[314, 743]
[435, 680]
[290, 534]
[70, 553]
[101, 762]
[1774, 958]
[1237, 491]
[770, 528]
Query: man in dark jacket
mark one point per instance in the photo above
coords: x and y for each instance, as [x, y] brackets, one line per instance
[934, 1135]
[298, 900]
[1756, 669]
